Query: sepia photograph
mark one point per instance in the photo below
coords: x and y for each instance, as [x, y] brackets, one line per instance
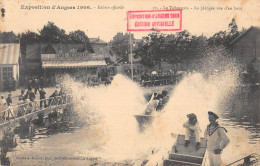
[129, 82]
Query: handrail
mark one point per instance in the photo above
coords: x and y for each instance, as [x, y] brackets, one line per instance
[247, 159]
[34, 106]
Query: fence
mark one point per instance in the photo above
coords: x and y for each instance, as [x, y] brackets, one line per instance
[33, 107]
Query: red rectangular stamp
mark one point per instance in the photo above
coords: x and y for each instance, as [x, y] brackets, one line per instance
[154, 20]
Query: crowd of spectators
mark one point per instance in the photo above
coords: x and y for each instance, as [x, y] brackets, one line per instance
[157, 79]
[26, 99]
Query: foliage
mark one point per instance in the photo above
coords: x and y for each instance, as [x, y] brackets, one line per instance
[78, 37]
[158, 47]
[51, 33]
[182, 46]
[8, 37]
[225, 37]
[29, 37]
[120, 45]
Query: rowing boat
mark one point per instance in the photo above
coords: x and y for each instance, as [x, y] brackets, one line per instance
[186, 155]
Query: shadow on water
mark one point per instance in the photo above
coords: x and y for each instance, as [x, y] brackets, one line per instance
[243, 114]
[244, 106]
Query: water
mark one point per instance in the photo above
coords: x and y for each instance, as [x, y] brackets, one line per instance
[113, 135]
[244, 140]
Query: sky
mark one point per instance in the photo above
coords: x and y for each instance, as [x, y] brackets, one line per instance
[105, 23]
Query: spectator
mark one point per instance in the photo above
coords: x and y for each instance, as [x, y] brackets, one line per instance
[33, 82]
[21, 107]
[36, 85]
[28, 106]
[20, 102]
[2, 101]
[42, 98]
[14, 84]
[56, 93]
[10, 85]
[5, 82]
[52, 98]
[2, 104]
[29, 85]
[30, 95]
[22, 95]
[41, 82]
[58, 88]
[9, 100]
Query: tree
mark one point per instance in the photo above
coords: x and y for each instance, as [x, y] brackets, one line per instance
[8, 37]
[50, 33]
[152, 49]
[78, 37]
[218, 39]
[158, 47]
[232, 26]
[225, 37]
[120, 45]
[29, 37]
[232, 33]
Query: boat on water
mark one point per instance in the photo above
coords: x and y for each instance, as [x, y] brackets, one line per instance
[156, 103]
[179, 154]
[187, 155]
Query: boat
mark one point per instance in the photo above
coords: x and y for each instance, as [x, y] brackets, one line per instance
[186, 155]
[179, 154]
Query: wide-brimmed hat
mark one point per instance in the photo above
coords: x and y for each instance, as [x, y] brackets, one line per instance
[191, 116]
[214, 114]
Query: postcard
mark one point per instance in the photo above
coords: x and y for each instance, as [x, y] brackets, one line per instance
[127, 82]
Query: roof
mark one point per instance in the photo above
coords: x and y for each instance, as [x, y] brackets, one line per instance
[33, 51]
[48, 49]
[97, 41]
[249, 29]
[103, 50]
[9, 53]
[73, 64]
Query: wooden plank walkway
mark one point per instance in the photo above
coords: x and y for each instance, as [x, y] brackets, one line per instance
[10, 117]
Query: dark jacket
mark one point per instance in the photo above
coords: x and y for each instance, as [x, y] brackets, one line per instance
[42, 94]
[9, 101]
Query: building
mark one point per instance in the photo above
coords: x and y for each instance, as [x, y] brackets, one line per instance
[246, 48]
[33, 59]
[9, 63]
[81, 61]
[72, 59]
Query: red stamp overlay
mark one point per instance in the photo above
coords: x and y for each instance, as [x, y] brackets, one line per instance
[151, 20]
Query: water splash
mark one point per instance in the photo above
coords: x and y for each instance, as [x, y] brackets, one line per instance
[115, 136]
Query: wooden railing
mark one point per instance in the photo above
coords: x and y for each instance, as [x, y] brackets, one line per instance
[21, 110]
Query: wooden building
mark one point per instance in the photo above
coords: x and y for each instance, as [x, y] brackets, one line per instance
[9, 63]
[246, 48]
[80, 60]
